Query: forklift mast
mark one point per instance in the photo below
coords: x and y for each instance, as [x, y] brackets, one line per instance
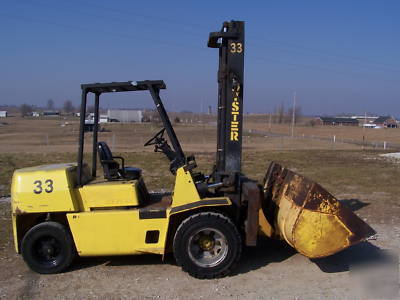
[230, 42]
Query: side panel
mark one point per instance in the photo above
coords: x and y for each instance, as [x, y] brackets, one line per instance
[44, 189]
[109, 194]
[117, 232]
[185, 189]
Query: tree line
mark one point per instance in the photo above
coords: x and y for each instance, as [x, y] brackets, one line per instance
[282, 115]
[27, 109]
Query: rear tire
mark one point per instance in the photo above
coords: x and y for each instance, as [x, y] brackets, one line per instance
[48, 248]
[207, 245]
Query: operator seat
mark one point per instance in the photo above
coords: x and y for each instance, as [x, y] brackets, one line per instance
[112, 169]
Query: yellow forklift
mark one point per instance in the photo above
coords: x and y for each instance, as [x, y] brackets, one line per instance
[63, 210]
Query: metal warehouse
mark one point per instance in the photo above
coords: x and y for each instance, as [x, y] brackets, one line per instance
[125, 115]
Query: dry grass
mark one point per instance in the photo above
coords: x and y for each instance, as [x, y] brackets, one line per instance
[34, 135]
[29, 142]
[340, 171]
[390, 135]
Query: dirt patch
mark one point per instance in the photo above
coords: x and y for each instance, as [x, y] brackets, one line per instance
[264, 272]
[360, 179]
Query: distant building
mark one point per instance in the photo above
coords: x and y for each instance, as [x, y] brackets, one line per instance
[369, 125]
[125, 115]
[3, 114]
[103, 118]
[386, 121]
[365, 119]
[332, 121]
[51, 113]
[88, 126]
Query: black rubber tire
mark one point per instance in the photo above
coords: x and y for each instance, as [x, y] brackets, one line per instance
[60, 241]
[193, 224]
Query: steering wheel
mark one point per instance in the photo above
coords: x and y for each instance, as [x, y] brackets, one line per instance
[155, 139]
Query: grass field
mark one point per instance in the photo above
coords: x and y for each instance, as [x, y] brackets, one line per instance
[361, 179]
[29, 142]
[61, 135]
[341, 172]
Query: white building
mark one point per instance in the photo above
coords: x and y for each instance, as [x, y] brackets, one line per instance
[3, 114]
[125, 115]
[368, 125]
[103, 119]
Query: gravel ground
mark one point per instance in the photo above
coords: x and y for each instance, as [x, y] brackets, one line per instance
[272, 270]
[392, 155]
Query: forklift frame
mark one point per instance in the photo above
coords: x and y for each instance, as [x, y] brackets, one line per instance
[153, 86]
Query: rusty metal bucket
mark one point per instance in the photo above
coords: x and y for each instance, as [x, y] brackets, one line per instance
[308, 217]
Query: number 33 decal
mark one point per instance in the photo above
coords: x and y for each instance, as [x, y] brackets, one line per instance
[236, 47]
[38, 186]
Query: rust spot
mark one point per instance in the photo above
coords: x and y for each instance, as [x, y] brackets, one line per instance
[281, 183]
[18, 211]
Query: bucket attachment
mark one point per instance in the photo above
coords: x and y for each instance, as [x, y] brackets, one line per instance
[306, 216]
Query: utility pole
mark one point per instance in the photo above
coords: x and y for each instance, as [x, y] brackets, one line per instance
[270, 119]
[293, 112]
[365, 123]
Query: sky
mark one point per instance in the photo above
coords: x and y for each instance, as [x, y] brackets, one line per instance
[338, 56]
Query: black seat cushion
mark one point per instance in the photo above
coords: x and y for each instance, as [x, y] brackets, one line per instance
[132, 173]
[112, 169]
[104, 151]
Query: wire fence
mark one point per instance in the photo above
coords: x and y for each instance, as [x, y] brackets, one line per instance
[333, 139]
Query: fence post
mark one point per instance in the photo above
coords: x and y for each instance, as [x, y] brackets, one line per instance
[384, 145]
[113, 142]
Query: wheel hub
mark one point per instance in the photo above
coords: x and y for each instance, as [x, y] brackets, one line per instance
[207, 247]
[206, 243]
[48, 249]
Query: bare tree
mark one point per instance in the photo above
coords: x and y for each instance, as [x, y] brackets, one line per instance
[90, 109]
[281, 113]
[155, 117]
[50, 104]
[68, 107]
[25, 110]
[297, 114]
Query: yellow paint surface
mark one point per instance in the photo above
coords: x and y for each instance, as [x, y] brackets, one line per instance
[115, 232]
[185, 190]
[108, 194]
[53, 197]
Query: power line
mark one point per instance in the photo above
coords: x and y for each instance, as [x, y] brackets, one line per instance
[182, 45]
[109, 34]
[292, 47]
[325, 54]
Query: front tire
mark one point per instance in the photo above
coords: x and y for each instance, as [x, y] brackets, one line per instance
[207, 245]
[47, 248]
